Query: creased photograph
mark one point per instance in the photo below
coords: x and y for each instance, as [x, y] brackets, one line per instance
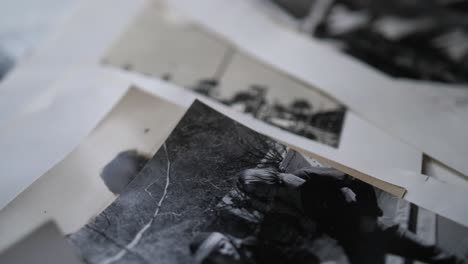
[218, 192]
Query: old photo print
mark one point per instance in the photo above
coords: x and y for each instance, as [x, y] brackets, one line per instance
[420, 40]
[157, 44]
[218, 192]
[91, 176]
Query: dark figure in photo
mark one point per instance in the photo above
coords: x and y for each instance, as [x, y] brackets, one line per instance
[344, 208]
[276, 243]
[207, 87]
[286, 238]
[252, 100]
[218, 192]
[6, 63]
[299, 116]
[218, 248]
[120, 171]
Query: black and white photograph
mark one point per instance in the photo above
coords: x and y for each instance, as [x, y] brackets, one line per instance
[91, 176]
[267, 96]
[420, 40]
[158, 45]
[234, 132]
[218, 192]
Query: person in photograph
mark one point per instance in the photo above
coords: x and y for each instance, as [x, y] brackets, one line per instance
[207, 87]
[344, 208]
[218, 248]
[287, 238]
[276, 243]
[281, 234]
[250, 101]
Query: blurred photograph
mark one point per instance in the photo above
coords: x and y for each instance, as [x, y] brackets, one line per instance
[219, 192]
[420, 40]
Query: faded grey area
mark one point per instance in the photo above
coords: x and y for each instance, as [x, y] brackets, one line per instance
[171, 199]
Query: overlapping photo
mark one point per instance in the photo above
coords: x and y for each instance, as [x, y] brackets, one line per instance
[219, 192]
[91, 176]
[159, 45]
[420, 40]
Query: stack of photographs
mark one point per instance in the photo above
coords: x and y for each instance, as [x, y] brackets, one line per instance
[215, 191]
[416, 110]
[218, 192]
[160, 43]
[211, 156]
[191, 57]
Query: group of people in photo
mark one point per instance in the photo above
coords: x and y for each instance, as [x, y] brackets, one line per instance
[311, 215]
[299, 116]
